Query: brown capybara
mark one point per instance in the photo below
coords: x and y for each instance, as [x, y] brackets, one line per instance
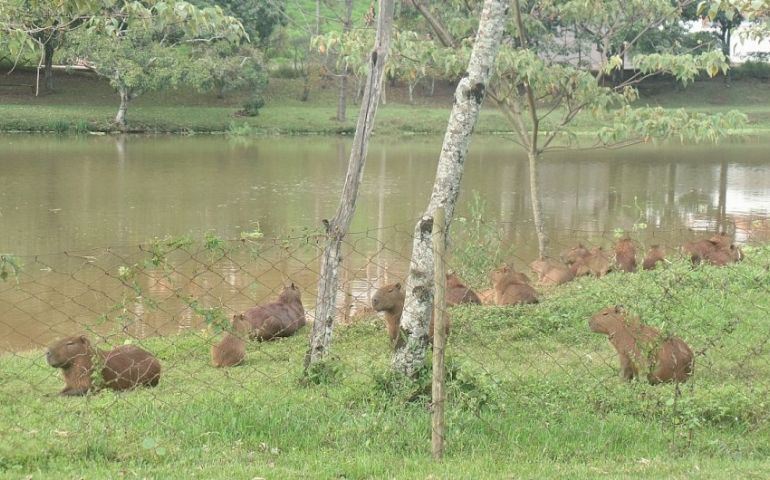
[717, 250]
[390, 299]
[625, 255]
[281, 318]
[511, 288]
[231, 351]
[655, 255]
[457, 292]
[641, 348]
[574, 254]
[551, 272]
[596, 263]
[487, 296]
[123, 367]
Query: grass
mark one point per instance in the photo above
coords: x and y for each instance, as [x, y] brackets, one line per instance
[532, 394]
[82, 102]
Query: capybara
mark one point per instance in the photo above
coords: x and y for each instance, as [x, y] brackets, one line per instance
[390, 299]
[596, 263]
[655, 255]
[717, 250]
[487, 296]
[574, 254]
[232, 349]
[511, 288]
[625, 255]
[281, 318]
[122, 368]
[551, 272]
[642, 349]
[457, 292]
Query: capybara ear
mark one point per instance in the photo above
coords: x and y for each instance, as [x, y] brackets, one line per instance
[619, 309]
[398, 286]
[292, 286]
[84, 340]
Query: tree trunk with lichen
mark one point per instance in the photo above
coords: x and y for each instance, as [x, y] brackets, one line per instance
[337, 228]
[409, 356]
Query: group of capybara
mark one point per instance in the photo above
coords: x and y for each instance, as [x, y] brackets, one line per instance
[640, 348]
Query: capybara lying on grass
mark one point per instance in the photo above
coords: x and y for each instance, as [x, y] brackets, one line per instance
[457, 292]
[642, 349]
[655, 255]
[583, 261]
[122, 368]
[551, 272]
[512, 288]
[717, 250]
[231, 351]
[281, 318]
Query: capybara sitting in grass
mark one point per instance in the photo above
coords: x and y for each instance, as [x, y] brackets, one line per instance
[281, 318]
[551, 272]
[122, 368]
[511, 288]
[717, 250]
[641, 349]
[231, 351]
[390, 299]
[655, 255]
[625, 255]
[583, 261]
[457, 292]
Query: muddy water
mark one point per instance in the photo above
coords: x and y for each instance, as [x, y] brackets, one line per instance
[74, 210]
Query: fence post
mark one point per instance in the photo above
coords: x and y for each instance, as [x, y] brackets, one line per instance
[439, 332]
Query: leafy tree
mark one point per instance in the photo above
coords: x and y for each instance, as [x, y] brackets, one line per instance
[224, 66]
[140, 48]
[259, 17]
[42, 25]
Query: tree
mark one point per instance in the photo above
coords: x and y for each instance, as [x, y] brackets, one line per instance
[224, 66]
[42, 25]
[337, 227]
[141, 48]
[469, 95]
[258, 17]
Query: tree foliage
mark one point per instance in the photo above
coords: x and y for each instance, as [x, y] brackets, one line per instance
[141, 47]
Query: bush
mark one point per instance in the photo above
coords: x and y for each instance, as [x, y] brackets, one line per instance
[755, 70]
[252, 106]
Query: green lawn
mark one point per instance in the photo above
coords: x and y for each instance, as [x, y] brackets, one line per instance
[83, 103]
[532, 394]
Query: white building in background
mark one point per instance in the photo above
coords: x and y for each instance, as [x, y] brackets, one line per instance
[742, 46]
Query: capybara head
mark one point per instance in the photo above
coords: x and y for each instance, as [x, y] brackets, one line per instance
[388, 297]
[453, 280]
[540, 266]
[290, 294]
[506, 275]
[240, 324]
[603, 320]
[68, 350]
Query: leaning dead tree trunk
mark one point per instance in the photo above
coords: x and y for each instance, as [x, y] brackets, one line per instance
[337, 228]
[469, 95]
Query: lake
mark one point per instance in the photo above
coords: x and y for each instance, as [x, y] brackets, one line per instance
[73, 209]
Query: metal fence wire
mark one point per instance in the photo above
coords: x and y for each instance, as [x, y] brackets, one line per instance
[175, 298]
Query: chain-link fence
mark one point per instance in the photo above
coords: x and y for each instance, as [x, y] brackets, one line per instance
[516, 374]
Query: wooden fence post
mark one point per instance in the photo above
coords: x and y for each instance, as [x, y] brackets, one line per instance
[439, 332]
